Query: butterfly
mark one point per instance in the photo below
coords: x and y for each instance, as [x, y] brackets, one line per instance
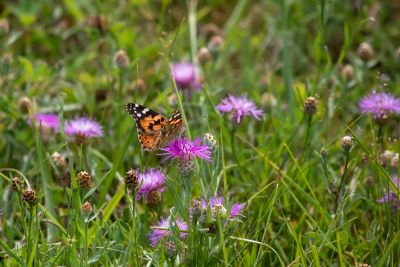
[154, 130]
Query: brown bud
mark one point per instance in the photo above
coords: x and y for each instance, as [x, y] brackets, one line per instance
[121, 59]
[204, 55]
[86, 208]
[132, 178]
[59, 160]
[365, 51]
[25, 104]
[17, 184]
[347, 72]
[215, 44]
[29, 196]
[84, 180]
[310, 105]
[154, 197]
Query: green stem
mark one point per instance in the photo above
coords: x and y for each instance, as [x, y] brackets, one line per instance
[342, 179]
[86, 240]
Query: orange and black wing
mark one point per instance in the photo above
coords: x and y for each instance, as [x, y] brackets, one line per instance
[149, 125]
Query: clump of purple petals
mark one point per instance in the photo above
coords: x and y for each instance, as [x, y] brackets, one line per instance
[49, 121]
[391, 196]
[239, 107]
[83, 127]
[215, 203]
[380, 105]
[184, 149]
[150, 180]
[158, 234]
[185, 76]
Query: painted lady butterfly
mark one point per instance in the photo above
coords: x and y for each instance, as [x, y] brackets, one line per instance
[155, 131]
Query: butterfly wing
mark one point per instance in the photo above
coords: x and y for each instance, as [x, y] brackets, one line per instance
[173, 129]
[149, 123]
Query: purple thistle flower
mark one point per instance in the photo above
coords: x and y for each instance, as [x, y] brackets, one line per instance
[216, 204]
[380, 105]
[150, 180]
[158, 234]
[184, 149]
[49, 121]
[83, 127]
[239, 107]
[391, 196]
[185, 76]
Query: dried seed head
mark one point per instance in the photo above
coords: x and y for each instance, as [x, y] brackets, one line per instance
[84, 180]
[386, 157]
[86, 208]
[347, 72]
[210, 139]
[346, 143]
[365, 51]
[29, 196]
[204, 55]
[395, 161]
[59, 160]
[121, 59]
[153, 198]
[25, 104]
[132, 178]
[17, 184]
[310, 105]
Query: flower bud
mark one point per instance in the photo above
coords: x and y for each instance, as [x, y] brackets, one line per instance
[204, 55]
[310, 105]
[186, 167]
[86, 208]
[84, 180]
[29, 196]
[347, 72]
[153, 198]
[59, 160]
[365, 51]
[121, 59]
[268, 100]
[170, 248]
[17, 184]
[346, 143]
[386, 157]
[25, 104]
[196, 210]
[215, 44]
[132, 178]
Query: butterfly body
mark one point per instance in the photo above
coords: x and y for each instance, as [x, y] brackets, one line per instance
[154, 130]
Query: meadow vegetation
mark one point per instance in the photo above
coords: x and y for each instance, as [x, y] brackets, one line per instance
[281, 150]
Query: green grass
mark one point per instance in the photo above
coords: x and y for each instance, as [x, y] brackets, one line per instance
[287, 167]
